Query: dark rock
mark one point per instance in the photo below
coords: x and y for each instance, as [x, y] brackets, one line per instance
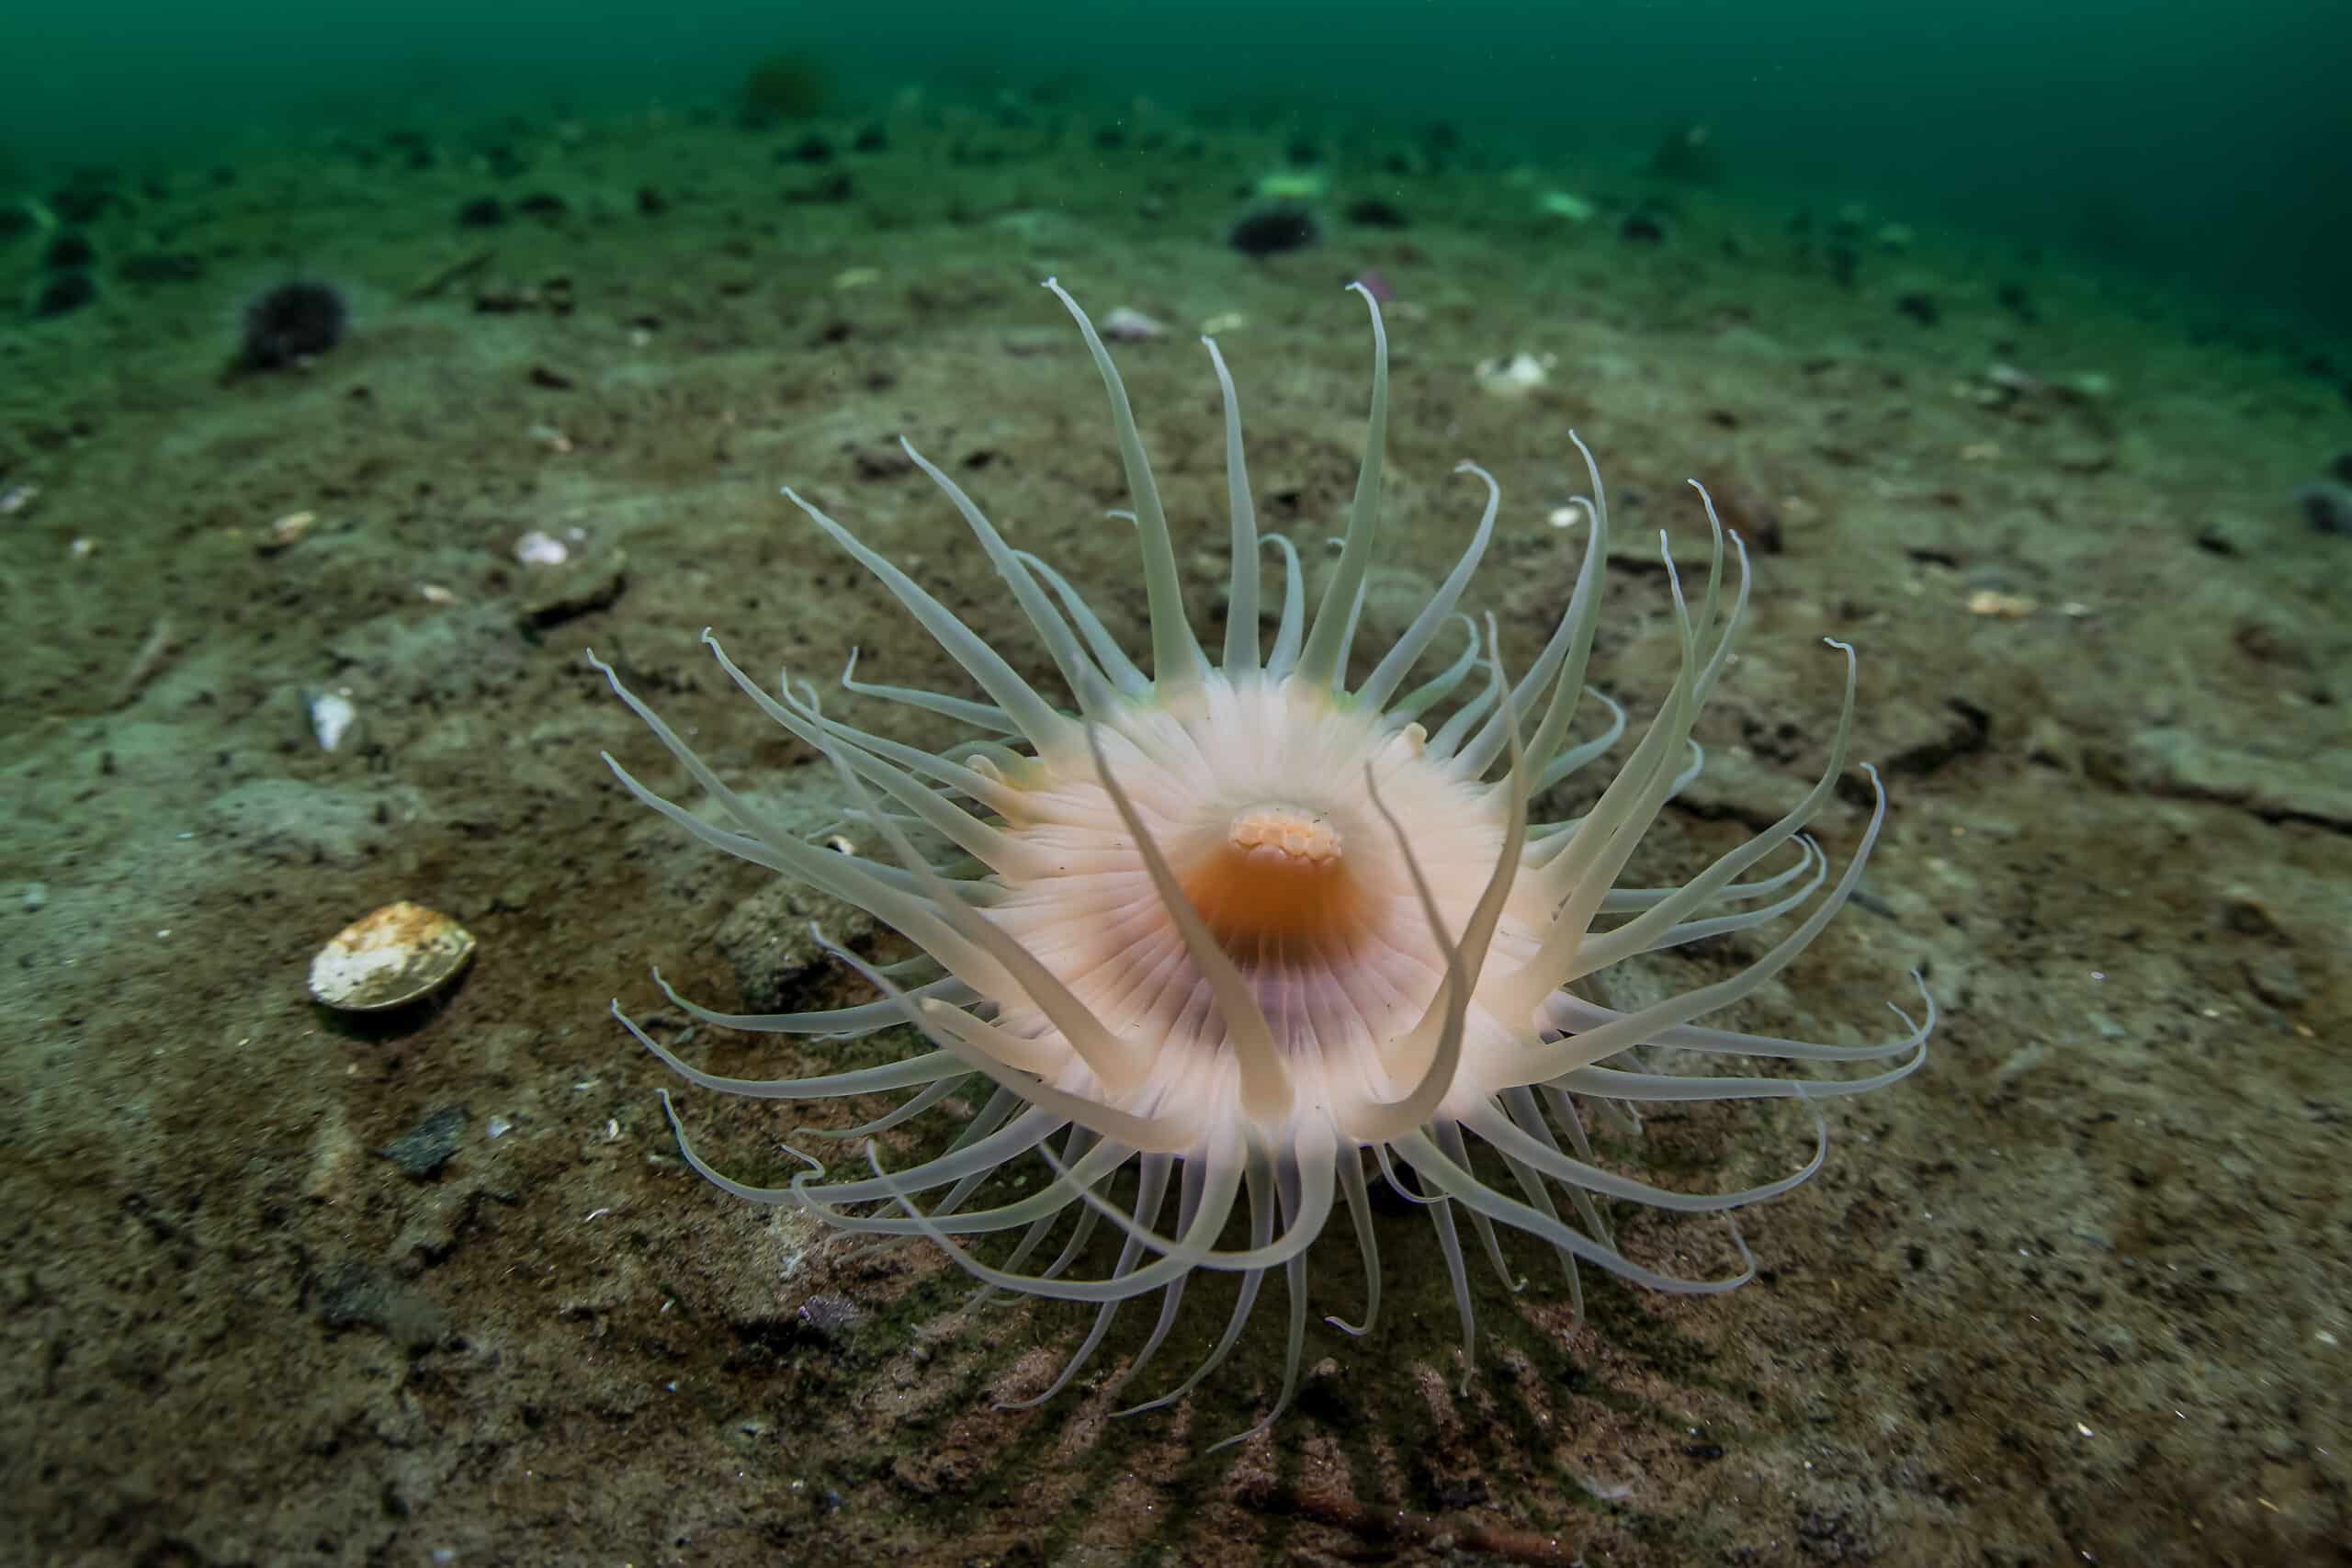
[831, 1320]
[582, 588]
[2327, 508]
[424, 1148]
[64, 293]
[69, 252]
[1271, 230]
[483, 212]
[1920, 308]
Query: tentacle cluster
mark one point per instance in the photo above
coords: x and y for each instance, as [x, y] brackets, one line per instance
[1234, 923]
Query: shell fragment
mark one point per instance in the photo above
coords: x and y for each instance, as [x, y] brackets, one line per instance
[398, 955]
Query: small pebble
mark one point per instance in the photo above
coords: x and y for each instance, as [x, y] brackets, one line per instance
[1124, 325]
[536, 548]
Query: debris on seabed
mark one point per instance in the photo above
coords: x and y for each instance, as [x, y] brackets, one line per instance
[2006, 606]
[17, 498]
[536, 549]
[399, 953]
[1518, 375]
[286, 531]
[331, 716]
[433, 593]
[1124, 325]
[153, 654]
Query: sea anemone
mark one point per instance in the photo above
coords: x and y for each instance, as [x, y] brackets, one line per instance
[1236, 923]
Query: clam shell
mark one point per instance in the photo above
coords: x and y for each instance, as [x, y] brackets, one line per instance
[395, 955]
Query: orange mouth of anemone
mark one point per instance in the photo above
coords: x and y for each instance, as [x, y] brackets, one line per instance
[1278, 883]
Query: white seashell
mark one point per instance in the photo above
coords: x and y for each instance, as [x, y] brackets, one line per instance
[399, 953]
[1516, 377]
[331, 716]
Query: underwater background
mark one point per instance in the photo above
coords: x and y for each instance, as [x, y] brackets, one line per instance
[361, 367]
[2199, 141]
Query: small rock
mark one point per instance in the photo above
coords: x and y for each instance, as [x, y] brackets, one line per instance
[2326, 508]
[1920, 308]
[592, 584]
[65, 293]
[831, 1319]
[353, 1296]
[537, 548]
[424, 1149]
[766, 939]
[2242, 913]
[2274, 977]
[1124, 325]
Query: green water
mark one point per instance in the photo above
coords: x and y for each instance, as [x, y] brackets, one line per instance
[2203, 143]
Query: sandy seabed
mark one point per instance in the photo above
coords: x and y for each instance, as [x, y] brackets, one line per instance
[285, 1287]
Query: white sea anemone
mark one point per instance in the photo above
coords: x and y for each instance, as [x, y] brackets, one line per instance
[1234, 923]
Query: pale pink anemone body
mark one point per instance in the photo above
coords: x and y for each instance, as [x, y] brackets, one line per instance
[1233, 923]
